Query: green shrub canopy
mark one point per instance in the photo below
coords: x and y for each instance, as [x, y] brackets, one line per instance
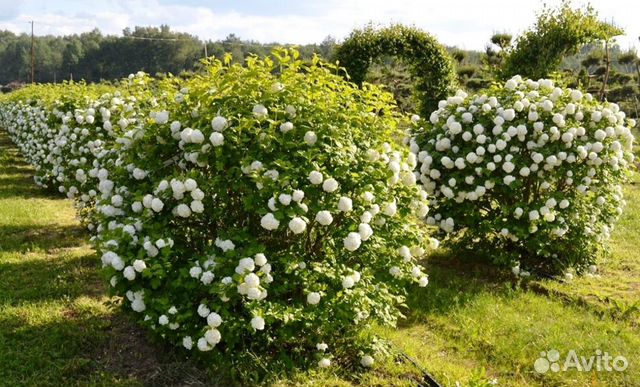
[428, 60]
[556, 34]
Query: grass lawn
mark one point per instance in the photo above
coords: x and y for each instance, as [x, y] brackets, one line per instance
[471, 325]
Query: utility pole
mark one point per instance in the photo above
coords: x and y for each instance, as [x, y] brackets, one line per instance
[32, 62]
[205, 49]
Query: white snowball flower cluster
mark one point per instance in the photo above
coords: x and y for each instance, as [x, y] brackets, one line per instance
[187, 190]
[529, 171]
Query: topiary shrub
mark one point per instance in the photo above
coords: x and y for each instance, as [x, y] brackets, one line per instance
[264, 213]
[429, 62]
[526, 172]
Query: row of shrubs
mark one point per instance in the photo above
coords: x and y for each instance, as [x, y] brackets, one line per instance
[275, 209]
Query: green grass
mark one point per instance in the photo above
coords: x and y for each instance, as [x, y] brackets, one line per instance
[56, 326]
[470, 325]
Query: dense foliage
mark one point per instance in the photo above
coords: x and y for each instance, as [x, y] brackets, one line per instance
[526, 172]
[557, 33]
[256, 209]
[429, 62]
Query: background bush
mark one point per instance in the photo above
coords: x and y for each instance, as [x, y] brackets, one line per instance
[526, 172]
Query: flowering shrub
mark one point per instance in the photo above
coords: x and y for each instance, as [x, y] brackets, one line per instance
[527, 172]
[253, 209]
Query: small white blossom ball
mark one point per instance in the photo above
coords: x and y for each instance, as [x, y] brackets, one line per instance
[313, 298]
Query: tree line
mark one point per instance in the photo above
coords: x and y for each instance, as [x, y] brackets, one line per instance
[94, 56]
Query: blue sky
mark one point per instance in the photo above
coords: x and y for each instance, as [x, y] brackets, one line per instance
[463, 23]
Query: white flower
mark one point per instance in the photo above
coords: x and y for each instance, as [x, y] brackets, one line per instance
[218, 124]
[310, 138]
[203, 311]
[129, 273]
[324, 218]
[196, 137]
[365, 231]
[216, 139]
[136, 207]
[423, 281]
[322, 347]
[269, 222]
[183, 210]
[139, 265]
[405, 253]
[408, 178]
[116, 200]
[348, 282]
[257, 323]
[534, 215]
[508, 167]
[260, 259]
[366, 217]
[297, 225]
[195, 272]
[197, 194]
[160, 117]
[207, 277]
[175, 126]
[352, 241]
[324, 363]
[315, 177]
[212, 336]
[313, 298]
[330, 185]
[509, 114]
[139, 174]
[345, 204]
[286, 127]
[214, 320]
[277, 87]
[163, 320]
[203, 345]
[297, 195]
[252, 280]
[395, 271]
[284, 199]
[187, 342]
[366, 361]
[576, 95]
[197, 206]
[389, 209]
[157, 205]
[111, 258]
[259, 111]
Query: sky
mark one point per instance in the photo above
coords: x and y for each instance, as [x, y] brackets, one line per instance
[467, 24]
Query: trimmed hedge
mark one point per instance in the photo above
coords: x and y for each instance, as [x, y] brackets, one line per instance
[428, 60]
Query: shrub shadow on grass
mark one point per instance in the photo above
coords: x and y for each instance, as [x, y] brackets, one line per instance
[454, 282]
[24, 238]
[87, 347]
[37, 280]
[16, 176]
[19, 186]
